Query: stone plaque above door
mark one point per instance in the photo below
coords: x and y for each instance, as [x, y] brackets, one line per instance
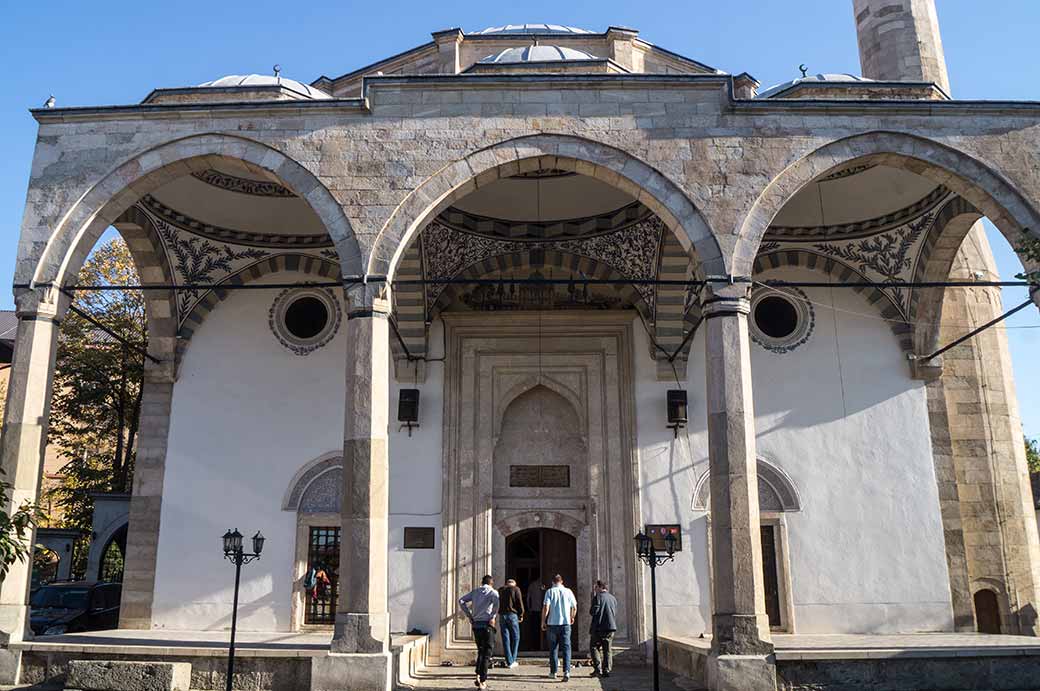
[539, 476]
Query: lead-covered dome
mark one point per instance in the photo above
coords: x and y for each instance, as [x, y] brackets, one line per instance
[247, 80]
[536, 53]
[528, 29]
[811, 79]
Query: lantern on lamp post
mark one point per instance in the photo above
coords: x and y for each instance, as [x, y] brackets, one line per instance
[667, 536]
[234, 552]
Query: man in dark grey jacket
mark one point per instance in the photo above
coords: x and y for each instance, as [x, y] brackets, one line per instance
[604, 624]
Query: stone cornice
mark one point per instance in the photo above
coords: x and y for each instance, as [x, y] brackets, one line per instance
[1029, 109]
[47, 116]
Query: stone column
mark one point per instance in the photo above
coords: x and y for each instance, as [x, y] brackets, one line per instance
[142, 539]
[22, 445]
[360, 644]
[741, 656]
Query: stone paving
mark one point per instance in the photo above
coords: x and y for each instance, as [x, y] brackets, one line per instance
[530, 677]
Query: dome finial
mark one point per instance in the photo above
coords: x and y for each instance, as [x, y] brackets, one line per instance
[278, 72]
[804, 70]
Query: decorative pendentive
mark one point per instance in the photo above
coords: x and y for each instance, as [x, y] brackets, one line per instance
[198, 260]
[781, 318]
[631, 251]
[305, 319]
[233, 183]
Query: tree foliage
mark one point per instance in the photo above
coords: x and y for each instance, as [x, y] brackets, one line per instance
[1030, 249]
[1033, 455]
[95, 409]
[15, 529]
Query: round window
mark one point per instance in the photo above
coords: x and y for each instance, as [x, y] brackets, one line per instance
[305, 319]
[776, 317]
[781, 319]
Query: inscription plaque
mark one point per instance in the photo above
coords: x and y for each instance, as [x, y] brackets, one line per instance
[539, 476]
[418, 538]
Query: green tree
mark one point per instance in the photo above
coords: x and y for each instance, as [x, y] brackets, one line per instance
[15, 529]
[96, 404]
[1033, 455]
[1030, 249]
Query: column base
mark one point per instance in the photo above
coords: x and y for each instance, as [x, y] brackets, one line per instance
[352, 672]
[741, 673]
[10, 666]
[361, 633]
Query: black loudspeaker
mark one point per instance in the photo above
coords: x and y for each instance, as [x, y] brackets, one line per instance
[677, 416]
[408, 408]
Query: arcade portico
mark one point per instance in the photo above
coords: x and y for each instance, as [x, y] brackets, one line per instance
[542, 230]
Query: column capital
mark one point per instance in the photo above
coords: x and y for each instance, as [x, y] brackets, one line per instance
[719, 306]
[367, 299]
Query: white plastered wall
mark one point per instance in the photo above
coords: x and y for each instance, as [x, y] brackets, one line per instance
[247, 414]
[842, 417]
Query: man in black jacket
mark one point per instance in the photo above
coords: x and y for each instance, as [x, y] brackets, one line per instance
[602, 628]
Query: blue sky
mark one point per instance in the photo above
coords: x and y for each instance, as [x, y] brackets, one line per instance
[89, 53]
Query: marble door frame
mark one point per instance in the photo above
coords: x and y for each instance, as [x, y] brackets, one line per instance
[491, 359]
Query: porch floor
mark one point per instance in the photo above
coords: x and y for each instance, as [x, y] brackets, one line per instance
[877, 646]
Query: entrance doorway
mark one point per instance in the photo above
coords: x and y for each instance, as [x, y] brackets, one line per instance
[533, 557]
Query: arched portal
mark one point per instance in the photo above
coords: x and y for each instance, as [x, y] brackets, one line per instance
[533, 557]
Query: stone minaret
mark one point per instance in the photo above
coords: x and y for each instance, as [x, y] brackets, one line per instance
[899, 41]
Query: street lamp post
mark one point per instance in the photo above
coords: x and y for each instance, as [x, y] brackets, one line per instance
[648, 555]
[234, 553]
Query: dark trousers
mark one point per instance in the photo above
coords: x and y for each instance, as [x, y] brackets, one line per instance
[559, 637]
[602, 655]
[485, 639]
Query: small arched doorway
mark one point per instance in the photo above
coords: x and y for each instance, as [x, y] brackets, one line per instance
[533, 557]
[987, 611]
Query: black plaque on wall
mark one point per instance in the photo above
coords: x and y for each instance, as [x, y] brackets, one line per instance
[539, 476]
[419, 538]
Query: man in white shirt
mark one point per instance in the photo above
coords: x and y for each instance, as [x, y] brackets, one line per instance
[558, 610]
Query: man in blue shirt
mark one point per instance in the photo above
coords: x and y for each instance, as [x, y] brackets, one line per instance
[558, 610]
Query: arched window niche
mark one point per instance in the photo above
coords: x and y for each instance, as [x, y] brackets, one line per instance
[777, 497]
[315, 494]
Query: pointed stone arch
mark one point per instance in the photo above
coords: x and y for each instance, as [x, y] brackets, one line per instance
[68, 245]
[564, 152]
[974, 181]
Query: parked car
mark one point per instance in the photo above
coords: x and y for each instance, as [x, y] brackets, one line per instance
[58, 608]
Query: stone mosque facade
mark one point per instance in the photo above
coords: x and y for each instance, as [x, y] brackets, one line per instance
[530, 234]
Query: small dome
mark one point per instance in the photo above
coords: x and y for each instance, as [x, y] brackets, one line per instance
[515, 29]
[834, 78]
[537, 54]
[266, 80]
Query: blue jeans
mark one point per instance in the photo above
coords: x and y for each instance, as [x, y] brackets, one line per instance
[557, 636]
[510, 624]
